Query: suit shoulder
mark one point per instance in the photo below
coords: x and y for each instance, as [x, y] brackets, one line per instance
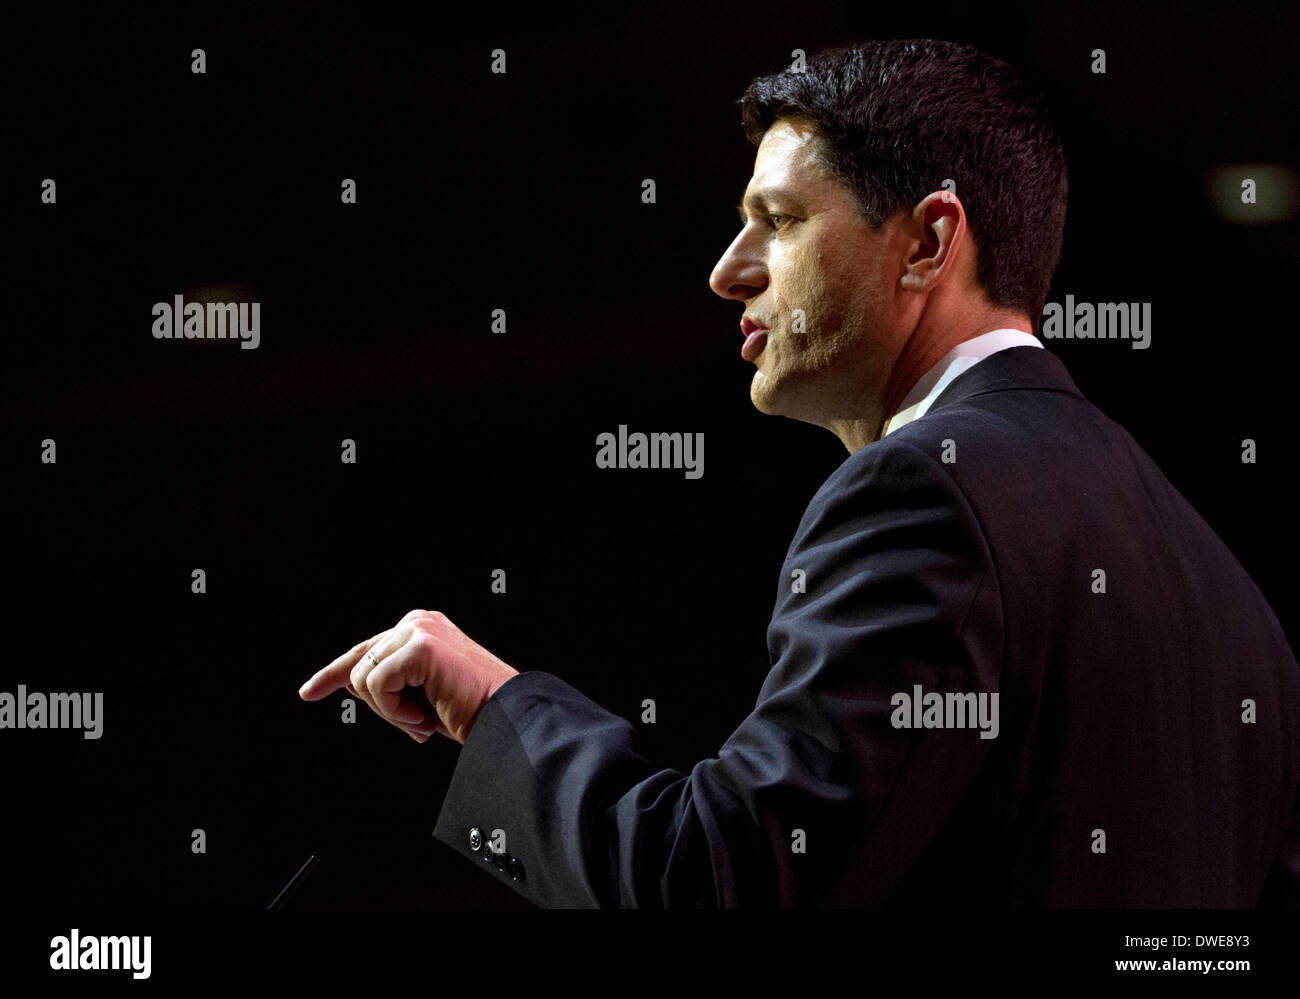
[888, 485]
[894, 462]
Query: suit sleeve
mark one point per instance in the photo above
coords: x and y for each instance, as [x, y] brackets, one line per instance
[1282, 886]
[888, 586]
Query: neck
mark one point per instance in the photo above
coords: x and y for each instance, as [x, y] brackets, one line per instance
[925, 347]
[857, 434]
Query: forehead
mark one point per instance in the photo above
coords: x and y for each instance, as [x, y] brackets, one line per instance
[789, 155]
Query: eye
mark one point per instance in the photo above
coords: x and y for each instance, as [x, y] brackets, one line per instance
[772, 219]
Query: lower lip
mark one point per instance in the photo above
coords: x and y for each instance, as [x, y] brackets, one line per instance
[754, 344]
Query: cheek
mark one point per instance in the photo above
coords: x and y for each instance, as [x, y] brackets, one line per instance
[806, 287]
[855, 281]
[831, 280]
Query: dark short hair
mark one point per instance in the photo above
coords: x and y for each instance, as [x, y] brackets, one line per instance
[897, 118]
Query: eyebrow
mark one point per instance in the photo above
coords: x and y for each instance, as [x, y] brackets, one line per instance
[759, 197]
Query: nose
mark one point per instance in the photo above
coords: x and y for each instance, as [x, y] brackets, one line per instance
[740, 273]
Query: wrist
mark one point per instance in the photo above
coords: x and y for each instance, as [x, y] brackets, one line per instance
[493, 686]
[499, 682]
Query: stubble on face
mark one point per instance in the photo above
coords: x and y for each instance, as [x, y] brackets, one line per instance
[824, 369]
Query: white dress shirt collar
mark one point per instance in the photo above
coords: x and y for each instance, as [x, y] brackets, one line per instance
[963, 356]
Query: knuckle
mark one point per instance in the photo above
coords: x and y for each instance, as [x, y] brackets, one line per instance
[433, 619]
[433, 623]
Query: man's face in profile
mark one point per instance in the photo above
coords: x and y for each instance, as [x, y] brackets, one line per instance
[805, 246]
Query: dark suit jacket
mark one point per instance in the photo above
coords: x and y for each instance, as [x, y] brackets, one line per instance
[963, 553]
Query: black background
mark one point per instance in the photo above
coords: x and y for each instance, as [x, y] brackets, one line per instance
[476, 451]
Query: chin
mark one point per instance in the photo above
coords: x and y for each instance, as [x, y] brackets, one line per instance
[761, 395]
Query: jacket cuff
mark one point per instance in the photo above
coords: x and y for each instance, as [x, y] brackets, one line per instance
[472, 820]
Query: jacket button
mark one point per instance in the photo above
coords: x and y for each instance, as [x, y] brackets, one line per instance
[475, 838]
[516, 869]
[500, 860]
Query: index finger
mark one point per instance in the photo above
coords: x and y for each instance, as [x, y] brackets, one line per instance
[325, 681]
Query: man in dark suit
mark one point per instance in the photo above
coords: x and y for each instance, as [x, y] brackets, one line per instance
[1010, 664]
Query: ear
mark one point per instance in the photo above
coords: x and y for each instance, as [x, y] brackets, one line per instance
[936, 228]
